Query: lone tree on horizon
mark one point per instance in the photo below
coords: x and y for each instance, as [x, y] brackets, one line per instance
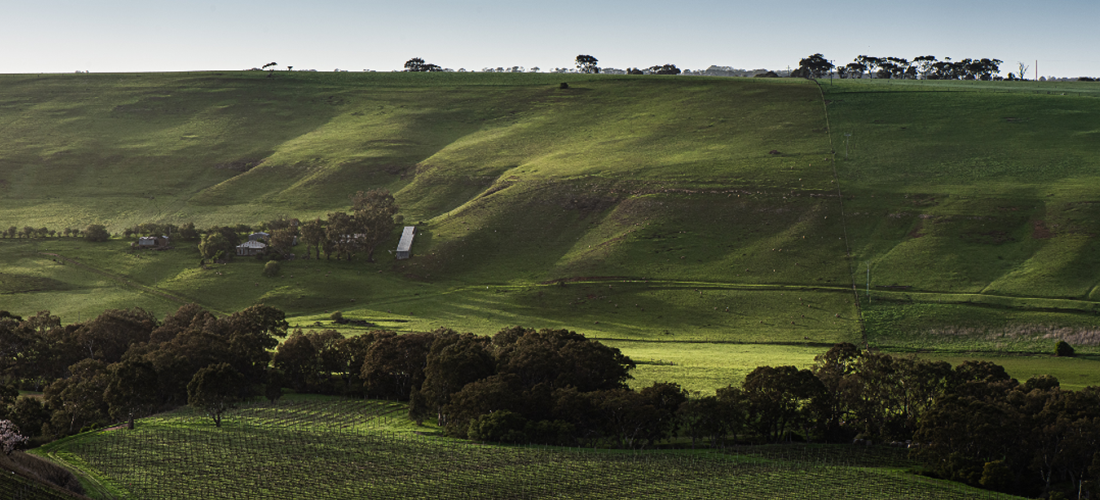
[587, 64]
[815, 66]
[417, 65]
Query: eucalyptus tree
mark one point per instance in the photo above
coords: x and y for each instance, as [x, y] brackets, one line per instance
[587, 64]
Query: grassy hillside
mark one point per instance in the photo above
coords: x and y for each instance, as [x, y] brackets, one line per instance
[973, 207]
[681, 218]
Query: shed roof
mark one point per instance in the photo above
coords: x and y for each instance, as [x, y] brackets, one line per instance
[406, 239]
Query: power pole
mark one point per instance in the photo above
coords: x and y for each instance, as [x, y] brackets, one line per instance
[868, 282]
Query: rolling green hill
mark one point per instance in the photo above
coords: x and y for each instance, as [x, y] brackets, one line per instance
[979, 194]
[703, 222]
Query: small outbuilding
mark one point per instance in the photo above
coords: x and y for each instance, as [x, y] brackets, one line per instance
[259, 236]
[404, 247]
[151, 242]
[250, 248]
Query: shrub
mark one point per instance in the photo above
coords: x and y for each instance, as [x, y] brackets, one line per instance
[1063, 349]
[96, 233]
[500, 426]
[272, 268]
[337, 317]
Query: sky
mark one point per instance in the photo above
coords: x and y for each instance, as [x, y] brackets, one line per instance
[54, 36]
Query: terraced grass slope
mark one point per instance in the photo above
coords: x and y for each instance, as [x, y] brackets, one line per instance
[985, 196]
[700, 213]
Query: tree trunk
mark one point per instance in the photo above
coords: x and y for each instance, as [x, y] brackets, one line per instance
[130, 422]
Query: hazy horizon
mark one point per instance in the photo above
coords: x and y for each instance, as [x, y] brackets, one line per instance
[135, 36]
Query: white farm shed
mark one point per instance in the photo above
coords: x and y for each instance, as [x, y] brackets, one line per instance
[250, 248]
[404, 247]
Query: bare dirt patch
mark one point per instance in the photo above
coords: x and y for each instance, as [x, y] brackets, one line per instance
[1073, 335]
[1039, 231]
[915, 233]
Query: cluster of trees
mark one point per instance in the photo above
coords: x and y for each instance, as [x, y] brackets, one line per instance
[971, 423]
[520, 385]
[584, 64]
[588, 64]
[93, 232]
[1026, 439]
[417, 65]
[344, 234]
[664, 69]
[186, 231]
[124, 364]
[923, 67]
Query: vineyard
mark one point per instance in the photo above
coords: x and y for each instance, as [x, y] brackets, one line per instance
[348, 449]
[16, 487]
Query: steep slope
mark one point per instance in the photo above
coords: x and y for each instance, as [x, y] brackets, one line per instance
[983, 193]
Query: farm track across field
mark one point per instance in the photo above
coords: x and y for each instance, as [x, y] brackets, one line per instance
[122, 280]
[926, 296]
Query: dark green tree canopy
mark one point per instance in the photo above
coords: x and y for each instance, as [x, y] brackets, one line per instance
[417, 65]
[454, 361]
[587, 64]
[664, 69]
[216, 246]
[216, 389]
[96, 233]
[133, 390]
[815, 66]
[560, 358]
[394, 366]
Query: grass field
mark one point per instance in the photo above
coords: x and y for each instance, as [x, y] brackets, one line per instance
[717, 223]
[346, 449]
[971, 214]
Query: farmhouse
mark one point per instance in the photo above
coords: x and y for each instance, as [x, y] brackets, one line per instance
[404, 247]
[151, 242]
[250, 247]
[266, 237]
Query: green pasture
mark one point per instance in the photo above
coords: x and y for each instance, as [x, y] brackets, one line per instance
[1007, 326]
[971, 188]
[682, 212]
[971, 212]
[336, 449]
[702, 367]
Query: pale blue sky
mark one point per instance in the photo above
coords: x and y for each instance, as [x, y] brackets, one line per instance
[158, 35]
